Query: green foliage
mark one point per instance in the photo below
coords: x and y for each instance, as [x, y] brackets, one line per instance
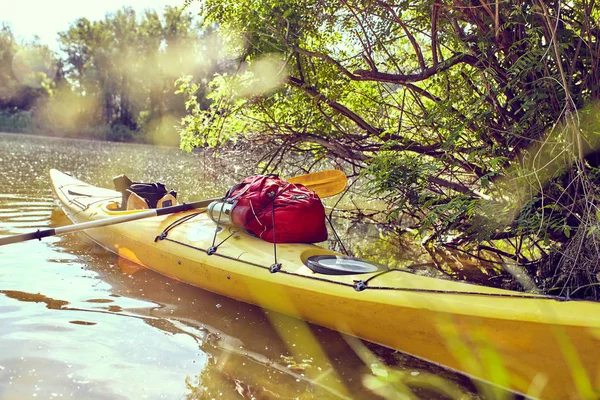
[460, 117]
[17, 122]
[119, 133]
[113, 79]
[27, 73]
[129, 63]
[400, 180]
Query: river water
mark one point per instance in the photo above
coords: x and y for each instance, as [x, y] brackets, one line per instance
[78, 322]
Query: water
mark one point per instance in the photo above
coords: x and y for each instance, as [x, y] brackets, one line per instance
[78, 322]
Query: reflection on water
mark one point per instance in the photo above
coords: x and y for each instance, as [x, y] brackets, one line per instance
[77, 322]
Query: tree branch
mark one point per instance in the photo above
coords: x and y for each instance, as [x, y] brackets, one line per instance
[457, 187]
[427, 73]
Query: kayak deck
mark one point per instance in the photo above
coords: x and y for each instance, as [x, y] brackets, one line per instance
[524, 342]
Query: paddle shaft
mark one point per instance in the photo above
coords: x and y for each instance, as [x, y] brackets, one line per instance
[155, 212]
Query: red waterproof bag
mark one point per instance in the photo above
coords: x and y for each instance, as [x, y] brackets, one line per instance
[278, 211]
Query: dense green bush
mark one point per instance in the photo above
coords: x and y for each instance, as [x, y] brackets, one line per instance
[119, 133]
[16, 121]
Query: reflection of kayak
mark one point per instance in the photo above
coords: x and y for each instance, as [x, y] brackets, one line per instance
[528, 343]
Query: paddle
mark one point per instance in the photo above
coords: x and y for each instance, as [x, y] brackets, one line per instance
[325, 184]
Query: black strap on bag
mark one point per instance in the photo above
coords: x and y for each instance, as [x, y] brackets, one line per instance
[151, 192]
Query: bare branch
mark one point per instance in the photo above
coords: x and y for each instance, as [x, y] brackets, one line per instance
[427, 73]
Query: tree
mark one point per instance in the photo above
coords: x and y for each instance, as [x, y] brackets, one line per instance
[127, 64]
[475, 120]
[27, 72]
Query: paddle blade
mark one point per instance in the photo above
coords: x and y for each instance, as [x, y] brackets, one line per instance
[325, 183]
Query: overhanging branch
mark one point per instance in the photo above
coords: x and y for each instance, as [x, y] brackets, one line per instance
[409, 78]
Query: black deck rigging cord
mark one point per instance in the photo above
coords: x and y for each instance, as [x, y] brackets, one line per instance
[276, 267]
[175, 224]
[370, 288]
[337, 237]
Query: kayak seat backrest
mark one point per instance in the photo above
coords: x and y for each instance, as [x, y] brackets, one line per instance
[167, 200]
[153, 194]
[135, 202]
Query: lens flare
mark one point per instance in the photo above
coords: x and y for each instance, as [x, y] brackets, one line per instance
[262, 76]
[33, 65]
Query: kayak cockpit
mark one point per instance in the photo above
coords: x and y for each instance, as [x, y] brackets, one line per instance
[113, 208]
[325, 262]
[335, 264]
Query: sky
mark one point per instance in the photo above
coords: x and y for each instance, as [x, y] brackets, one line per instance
[45, 18]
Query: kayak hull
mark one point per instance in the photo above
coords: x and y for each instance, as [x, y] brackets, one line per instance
[525, 343]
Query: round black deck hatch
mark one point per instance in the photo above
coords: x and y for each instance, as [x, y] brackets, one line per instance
[342, 265]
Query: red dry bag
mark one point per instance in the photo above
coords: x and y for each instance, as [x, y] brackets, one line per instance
[278, 211]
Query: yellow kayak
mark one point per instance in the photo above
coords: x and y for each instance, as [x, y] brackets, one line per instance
[532, 344]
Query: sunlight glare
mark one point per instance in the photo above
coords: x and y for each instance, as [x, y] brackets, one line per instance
[32, 66]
